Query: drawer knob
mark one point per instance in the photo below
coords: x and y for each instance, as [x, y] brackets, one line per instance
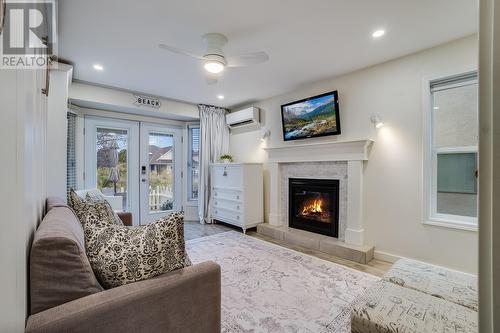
[238, 217]
[237, 197]
[238, 207]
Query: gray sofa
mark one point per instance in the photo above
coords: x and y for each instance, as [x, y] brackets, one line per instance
[418, 297]
[66, 296]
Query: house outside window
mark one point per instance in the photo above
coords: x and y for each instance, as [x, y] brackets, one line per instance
[452, 152]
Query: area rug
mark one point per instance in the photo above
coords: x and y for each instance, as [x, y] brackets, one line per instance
[268, 288]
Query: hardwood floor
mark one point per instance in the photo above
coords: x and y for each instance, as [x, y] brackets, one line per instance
[194, 230]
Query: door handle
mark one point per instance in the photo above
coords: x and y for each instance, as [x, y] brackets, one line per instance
[143, 173]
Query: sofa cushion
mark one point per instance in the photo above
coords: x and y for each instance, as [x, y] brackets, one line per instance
[121, 255]
[453, 286]
[386, 307]
[59, 269]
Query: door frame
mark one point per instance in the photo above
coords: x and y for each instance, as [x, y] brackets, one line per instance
[90, 157]
[178, 167]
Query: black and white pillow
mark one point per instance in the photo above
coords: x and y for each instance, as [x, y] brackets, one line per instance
[108, 211]
[101, 208]
[120, 255]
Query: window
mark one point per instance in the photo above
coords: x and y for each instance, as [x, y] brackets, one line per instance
[452, 152]
[193, 161]
[71, 180]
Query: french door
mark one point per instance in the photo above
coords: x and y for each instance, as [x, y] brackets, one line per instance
[136, 165]
[161, 159]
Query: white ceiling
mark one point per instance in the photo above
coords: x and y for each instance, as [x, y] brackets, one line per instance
[307, 40]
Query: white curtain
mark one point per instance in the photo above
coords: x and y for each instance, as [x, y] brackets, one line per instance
[214, 142]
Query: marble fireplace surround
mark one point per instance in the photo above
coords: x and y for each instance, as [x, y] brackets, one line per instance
[343, 160]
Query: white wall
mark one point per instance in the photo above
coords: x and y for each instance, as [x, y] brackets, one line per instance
[57, 124]
[394, 180]
[23, 119]
[97, 97]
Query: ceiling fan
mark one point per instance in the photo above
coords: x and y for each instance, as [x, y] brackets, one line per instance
[214, 60]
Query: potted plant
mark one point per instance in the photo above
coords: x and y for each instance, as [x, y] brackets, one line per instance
[226, 158]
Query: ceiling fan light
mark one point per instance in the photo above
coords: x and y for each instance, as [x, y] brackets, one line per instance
[214, 67]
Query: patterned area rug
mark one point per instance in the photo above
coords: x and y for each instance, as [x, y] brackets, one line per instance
[268, 288]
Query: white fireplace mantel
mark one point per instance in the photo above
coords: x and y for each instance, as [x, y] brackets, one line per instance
[357, 150]
[355, 153]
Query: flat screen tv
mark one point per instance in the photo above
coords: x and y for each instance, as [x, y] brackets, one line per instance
[311, 117]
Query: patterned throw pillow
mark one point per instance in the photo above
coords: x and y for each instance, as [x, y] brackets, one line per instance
[101, 208]
[109, 212]
[120, 255]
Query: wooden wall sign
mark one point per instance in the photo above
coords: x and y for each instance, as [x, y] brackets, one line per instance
[151, 102]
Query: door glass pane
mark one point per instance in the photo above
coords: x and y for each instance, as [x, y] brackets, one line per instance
[112, 163]
[161, 172]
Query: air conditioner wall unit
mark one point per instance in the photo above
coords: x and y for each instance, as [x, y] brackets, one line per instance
[243, 117]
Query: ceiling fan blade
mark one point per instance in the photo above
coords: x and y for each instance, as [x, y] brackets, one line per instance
[178, 51]
[247, 59]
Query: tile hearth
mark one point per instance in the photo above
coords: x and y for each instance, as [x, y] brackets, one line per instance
[362, 254]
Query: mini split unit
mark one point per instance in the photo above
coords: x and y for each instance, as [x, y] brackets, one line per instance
[248, 116]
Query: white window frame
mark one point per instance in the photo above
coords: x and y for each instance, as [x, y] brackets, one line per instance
[430, 214]
[189, 166]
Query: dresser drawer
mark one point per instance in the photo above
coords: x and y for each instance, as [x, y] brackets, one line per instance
[231, 216]
[232, 205]
[226, 194]
[227, 176]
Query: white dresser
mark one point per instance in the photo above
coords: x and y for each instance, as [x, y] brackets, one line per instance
[237, 194]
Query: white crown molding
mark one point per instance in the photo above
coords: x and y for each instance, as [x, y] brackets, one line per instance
[357, 150]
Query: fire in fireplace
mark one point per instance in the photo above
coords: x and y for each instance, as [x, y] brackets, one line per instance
[313, 209]
[314, 205]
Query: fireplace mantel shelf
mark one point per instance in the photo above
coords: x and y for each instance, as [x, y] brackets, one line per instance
[356, 150]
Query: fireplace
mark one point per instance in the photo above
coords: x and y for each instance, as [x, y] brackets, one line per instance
[314, 205]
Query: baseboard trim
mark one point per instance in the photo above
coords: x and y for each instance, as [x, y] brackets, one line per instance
[385, 256]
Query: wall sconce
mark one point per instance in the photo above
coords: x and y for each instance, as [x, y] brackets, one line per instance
[264, 134]
[377, 120]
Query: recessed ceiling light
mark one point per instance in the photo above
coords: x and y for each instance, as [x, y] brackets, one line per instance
[378, 33]
[436, 108]
[98, 67]
[220, 96]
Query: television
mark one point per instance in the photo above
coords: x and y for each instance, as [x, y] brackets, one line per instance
[311, 117]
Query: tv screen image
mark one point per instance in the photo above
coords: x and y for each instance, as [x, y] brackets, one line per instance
[311, 117]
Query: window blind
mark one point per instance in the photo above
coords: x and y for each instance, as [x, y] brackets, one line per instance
[71, 178]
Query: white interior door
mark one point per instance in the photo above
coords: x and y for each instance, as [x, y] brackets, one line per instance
[160, 171]
[112, 160]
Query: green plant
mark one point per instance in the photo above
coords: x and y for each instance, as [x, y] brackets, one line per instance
[226, 157]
